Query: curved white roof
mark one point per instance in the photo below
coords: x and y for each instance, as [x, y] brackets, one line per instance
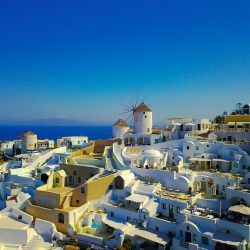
[189, 124]
[152, 153]
[176, 124]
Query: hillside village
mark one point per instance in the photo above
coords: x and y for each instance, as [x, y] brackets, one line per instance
[184, 186]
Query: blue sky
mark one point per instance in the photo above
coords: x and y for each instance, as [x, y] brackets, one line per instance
[82, 59]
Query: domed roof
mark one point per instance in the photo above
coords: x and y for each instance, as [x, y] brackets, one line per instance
[152, 153]
[29, 133]
[143, 108]
[121, 123]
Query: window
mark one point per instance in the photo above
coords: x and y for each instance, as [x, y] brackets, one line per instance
[188, 228]
[197, 148]
[156, 228]
[248, 180]
[19, 217]
[145, 116]
[57, 180]
[79, 180]
[128, 218]
[178, 209]
[112, 214]
[187, 147]
[61, 218]
[231, 153]
[223, 188]
[205, 240]
[74, 172]
[228, 231]
[82, 190]
[77, 201]
[145, 216]
[164, 206]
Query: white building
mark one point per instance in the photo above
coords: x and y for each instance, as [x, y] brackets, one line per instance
[119, 129]
[18, 230]
[7, 147]
[143, 131]
[143, 120]
[29, 142]
[45, 144]
[177, 128]
[73, 141]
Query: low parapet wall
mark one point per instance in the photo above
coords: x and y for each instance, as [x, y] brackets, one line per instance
[91, 239]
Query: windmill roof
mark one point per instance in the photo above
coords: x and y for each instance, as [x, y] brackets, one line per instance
[29, 133]
[143, 108]
[121, 123]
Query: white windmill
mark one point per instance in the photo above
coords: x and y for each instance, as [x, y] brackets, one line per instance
[141, 116]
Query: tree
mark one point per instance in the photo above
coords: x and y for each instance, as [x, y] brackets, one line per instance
[219, 119]
[238, 105]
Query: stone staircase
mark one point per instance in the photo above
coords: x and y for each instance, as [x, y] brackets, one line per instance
[110, 163]
[35, 242]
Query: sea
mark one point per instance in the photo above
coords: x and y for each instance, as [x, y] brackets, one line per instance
[10, 132]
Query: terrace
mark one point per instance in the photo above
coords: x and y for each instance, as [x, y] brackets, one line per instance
[201, 212]
[238, 214]
[95, 160]
[173, 194]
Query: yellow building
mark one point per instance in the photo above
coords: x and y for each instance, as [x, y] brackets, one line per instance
[56, 202]
[71, 187]
[237, 120]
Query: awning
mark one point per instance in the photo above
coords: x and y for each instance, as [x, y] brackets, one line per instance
[114, 224]
[241, 209]
[139, 198]
[237, 123]
[189, 124]
[227, 239]
[200, 159]
[220, 160]
[151, 236]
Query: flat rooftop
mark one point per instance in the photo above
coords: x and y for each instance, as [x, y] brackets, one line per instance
[8, 222]
[60, 190]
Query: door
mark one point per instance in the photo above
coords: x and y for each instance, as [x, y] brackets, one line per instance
[188, 236]
[171, 211]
